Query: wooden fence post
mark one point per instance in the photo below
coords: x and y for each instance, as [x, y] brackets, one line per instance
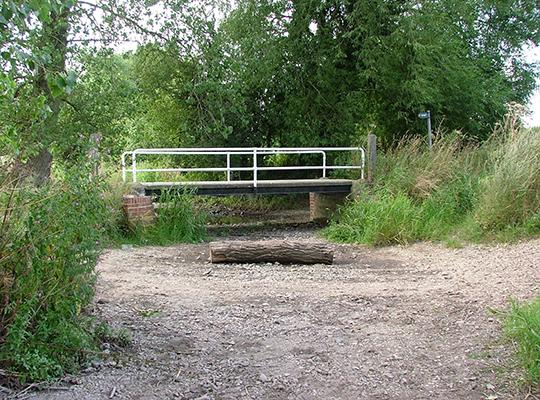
[93, 153]
[371, 156]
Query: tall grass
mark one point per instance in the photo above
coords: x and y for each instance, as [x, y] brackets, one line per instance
[417, 195]
[468, 191]
[510, 194]
[177, 221]
[522, 325]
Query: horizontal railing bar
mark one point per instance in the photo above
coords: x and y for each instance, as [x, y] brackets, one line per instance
[223, 169]
[216, 169]
[248, 150]
[218, 153]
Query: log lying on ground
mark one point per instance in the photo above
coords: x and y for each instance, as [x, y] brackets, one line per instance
[281, 251]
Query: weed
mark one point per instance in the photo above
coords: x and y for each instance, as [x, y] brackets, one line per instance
[522, 325]
[149, 313]
[106, 334]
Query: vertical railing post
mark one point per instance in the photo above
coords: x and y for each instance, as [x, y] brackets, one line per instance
[134, 166]
[254, 167]
[363, 157]
[324, 164]
[228, 167]
[124, 167]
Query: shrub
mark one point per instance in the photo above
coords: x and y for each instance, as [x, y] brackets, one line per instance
[49, 242]
[522, 325]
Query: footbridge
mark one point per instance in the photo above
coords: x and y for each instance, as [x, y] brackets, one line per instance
[227, 171]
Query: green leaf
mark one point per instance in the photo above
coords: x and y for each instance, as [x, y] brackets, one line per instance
[56, 85]
[7, 13]
[44, 13]
[71, 78]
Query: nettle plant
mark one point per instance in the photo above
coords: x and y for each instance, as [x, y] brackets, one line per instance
[49, 242]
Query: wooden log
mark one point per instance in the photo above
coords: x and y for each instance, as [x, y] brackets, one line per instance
[281, 251]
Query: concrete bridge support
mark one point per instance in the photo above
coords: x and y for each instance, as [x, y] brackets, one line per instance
[323, 205]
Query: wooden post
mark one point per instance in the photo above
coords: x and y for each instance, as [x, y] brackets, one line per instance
[371, 156]
[93, 153]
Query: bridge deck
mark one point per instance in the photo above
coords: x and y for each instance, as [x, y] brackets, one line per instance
[263, 186]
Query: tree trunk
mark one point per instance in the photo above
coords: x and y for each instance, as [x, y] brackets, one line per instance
[39, 167]
[53, 40]
[282, 251]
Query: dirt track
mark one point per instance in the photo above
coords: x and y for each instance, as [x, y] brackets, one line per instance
[389, 323]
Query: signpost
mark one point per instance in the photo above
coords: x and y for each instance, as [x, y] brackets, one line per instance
[427, 116]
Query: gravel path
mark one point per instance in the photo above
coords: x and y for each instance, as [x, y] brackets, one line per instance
[389, 323]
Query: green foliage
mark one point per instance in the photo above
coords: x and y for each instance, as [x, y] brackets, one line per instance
[522, 325]
[446, 207]
[314, 72]
[319, 73]
[105, 102]
[452, 193]
[178, 221]
[388, 217]
[49, 244]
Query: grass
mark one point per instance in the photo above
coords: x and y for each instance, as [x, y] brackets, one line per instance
[510, 194]
[457, 192]
[522, 326]
[177, 221]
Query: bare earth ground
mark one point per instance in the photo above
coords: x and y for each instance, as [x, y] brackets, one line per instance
[390, 323]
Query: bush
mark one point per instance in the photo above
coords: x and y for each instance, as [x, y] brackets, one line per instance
[49, 242]
[522, 325]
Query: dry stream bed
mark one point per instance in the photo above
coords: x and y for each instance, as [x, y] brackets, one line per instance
[390, 323]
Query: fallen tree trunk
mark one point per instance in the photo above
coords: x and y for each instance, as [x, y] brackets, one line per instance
[281, 251]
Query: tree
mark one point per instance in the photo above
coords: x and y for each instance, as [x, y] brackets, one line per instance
[308, 73]
[37, 39]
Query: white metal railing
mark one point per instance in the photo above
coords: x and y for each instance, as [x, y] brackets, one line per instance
[255, 152]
